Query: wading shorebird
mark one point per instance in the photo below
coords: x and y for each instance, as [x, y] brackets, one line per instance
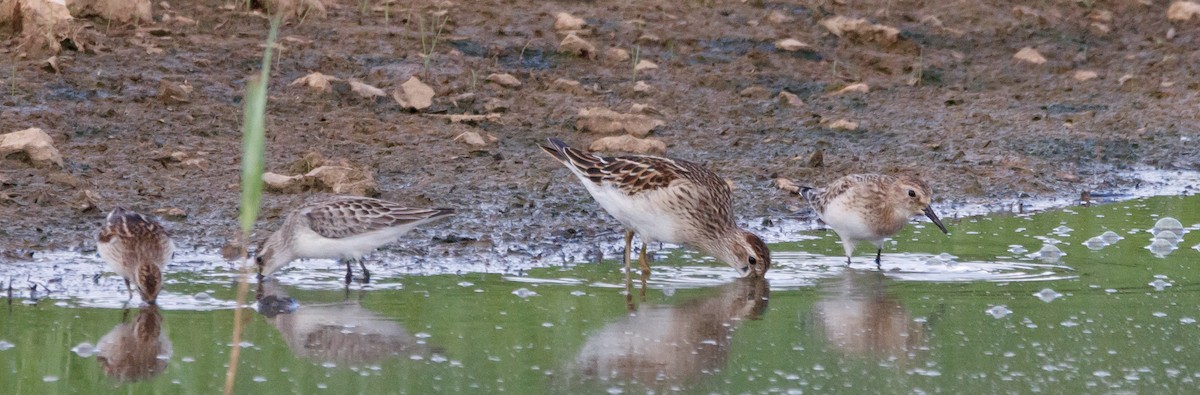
[343, 228]
[137, 248]
[667, 200]
[870, 207]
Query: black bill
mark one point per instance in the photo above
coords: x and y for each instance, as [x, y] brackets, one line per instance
[936, 221]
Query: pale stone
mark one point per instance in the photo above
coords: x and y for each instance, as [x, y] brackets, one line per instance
[574, 45]
[627, 143]
[603, 120]
[316, 80]
[1085, 75]
[1029, 55]
[504, 79]
[35, 143]
[1183, 11]
[565, 21]
[790, 45]
[414, 94]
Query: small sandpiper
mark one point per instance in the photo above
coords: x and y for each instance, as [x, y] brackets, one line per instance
[343, 228]
[137, 248]
[870, 207]
[667, 200]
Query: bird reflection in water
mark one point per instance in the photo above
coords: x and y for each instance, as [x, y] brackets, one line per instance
[673, 344]
[344, 333]
[857, 317]
[136, 350]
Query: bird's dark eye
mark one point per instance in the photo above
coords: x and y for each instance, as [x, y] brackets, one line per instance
[258, 260]
[753, 261]
[912, 193]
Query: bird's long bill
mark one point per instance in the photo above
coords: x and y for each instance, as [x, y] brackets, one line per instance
[936, 221]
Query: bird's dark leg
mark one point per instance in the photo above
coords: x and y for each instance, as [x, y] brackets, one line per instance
[628, 250]
[847, 260]
[366, 273]
[349, 272]
[878, 254]
[128, 289]
[643, 264]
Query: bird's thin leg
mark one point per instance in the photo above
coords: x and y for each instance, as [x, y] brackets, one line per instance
[128, 289]
[366, 273]
[349, 272]
[628, 248]
[642, 262]
[878, 254]
[847, 260]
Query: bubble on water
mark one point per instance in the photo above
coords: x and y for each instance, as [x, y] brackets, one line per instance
[259, 379]
[578, 293]
[945, 257]
[523, 293]
[1158, 314]
[329, 365]
[1167, 235]
[202, 297]
[1161, 248]
[1111, 237]
[188, 359]
[85, 350]
[1095, 243]
[1016, 249]
[1110, 290]
[1062, 230]
[4, 345]
[438, 358]
[416, 357]
[1168, 223]
[998, 311]
[1047, 295]
[49, 379]
[615, 390]
[422, 335]
[1159, 284]
[547, 324]
[1068, 324]
[1196, 247]
[1101, 373]
[1187, 320]
[465, 284]
[818, 368]
[1048, 253]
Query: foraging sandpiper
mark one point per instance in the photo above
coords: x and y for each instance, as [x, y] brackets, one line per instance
[870, 207]
[343, 228]
[137, 248]
[667, 200]
[136, 350]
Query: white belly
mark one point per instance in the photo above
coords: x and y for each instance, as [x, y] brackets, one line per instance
[309, 244]
[848, 222]
[651, 221]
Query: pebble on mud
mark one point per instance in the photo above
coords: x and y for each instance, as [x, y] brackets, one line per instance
[787, 185]
[1125, 78]
[843, 124]
[616, 55]
[123, 11]
[340, 178]
[170, 213]
[627, 143]
[853, 88]
[316, 80]
[1183, 11]
[35, 143]
[504, 79]
[790, 99]
[645, 65]
[565, 21]
[574, 45]
[791, 45]
[861, 30]
[566, 85]
[42, 24]
[1029, 55]
[414, 94]
[603, 120]
[365, 90]
[755, 92]
[638, 108]
[779, 18]
[1085, 75]
[474, 139]
[173, 93]
[641, 87]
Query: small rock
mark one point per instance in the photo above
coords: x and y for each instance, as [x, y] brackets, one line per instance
[366, 91]
[504, 79]
[861, 30]
[51, 65]
[574, 45]
[648, 38]
[565, 21]
[788, 99]
[279, 182]
[1100, 29]
[843, 124]
[1183, 11]
[471, 138]
[316, 80]
[1029, 55]
[568, 86]
[790, 45]
[35, 143]
[472, 118]
[414, 94]
[339, 178]
[755, 92]
[616, 55]
[638, 108]
[603, 120]
[641, 87]
[645, 65]
[853, 88]
[787, 185]
[172, 93]
[627, 143]
[495, 105]
[779, 18]
[170, 213]
[1124, 78]
[1085, 75]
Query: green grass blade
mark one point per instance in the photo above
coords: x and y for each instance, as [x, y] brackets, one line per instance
[254, 137]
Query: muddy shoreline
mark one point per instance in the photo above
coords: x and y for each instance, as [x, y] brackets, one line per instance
[948, 102]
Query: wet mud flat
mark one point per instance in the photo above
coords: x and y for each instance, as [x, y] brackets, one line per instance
[945, 99]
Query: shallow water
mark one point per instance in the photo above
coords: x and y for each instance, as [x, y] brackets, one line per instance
[985, 307]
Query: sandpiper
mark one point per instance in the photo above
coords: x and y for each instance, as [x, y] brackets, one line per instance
[667, 200]
[870, 207]
[343, 228]
[137, 350]
[137, 248]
